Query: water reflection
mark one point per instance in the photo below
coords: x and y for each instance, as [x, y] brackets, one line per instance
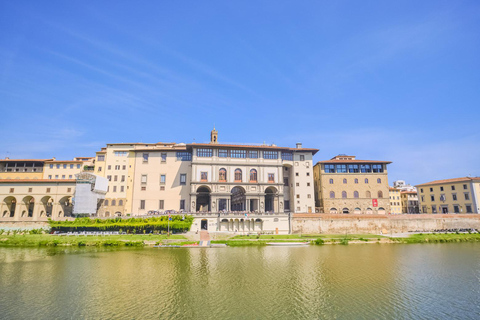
[355, 281]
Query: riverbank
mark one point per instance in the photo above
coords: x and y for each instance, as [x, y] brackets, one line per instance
[138, 240]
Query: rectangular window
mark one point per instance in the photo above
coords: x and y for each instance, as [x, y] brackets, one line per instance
[163, 157]
[51, 166]
[432, 198]
[48, 190]
[453, 187]
[469, 208]
[302, 157]
[123, 179]
[467, 196]
[253, 154]
[441, 188]
[114, 188]
[99, 169]
[50, 176]
[454, 196]
[271, 177]
[78, 166]
[309, 196]
[297, 184]
[341, 168]
[117, 167]
[161, 204]
[163, 179]
[204, 153]
[30, 189]
[287, 205]
[353, 168]
[298, 196]
[184, 156]
[238, 153]
[285, 182]
[223, 153]
[142, 204]
[71, 166]
[115, 178]
[70, 176]
[58, 166]
[124, 167]
[143, 188]
[377, 168]
[122, 188]
[109, 178]
[431, 189]
[203, 176]
[365, 168]
[183, 179]
[145, 157]
[109, 167]
[69, 189]
[329, 168]
[101, 158]
[120, 153]
[56, 176]
[465, 187]
[270, 155]
[143, 179]
[456, 209]
[64, 166]
[434, 209]
[287, 156]
[182, 204]
[162, 188]
[12, 190]
[423, 199]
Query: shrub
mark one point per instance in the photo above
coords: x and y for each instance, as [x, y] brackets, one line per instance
[344, 241]
[319, 241]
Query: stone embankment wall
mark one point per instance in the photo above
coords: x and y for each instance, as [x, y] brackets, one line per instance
[10, 225]
[378, 224]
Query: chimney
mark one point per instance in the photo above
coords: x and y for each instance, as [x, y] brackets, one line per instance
[7, 158]
[299, 145]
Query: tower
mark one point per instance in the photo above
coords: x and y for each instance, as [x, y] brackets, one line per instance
[214, 136]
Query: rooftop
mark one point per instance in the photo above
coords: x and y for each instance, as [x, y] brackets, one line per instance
[244, 146]
[463, 179]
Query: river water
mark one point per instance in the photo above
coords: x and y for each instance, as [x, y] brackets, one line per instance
[365, 281]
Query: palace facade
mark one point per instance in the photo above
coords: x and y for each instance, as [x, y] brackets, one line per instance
[346, 185]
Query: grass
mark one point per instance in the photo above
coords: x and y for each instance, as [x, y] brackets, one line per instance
[440, 238]
[35, 240]
[307, 236]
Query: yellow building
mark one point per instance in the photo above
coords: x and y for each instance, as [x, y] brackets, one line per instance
[459, 195]
[344, 184]
[409, 201]
[395, 201]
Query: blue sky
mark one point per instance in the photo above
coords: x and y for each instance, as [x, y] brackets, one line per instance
[382, 80]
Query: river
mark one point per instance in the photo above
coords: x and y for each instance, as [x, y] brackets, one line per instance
[365, 281]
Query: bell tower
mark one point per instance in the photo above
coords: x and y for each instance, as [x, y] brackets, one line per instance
[214, 136]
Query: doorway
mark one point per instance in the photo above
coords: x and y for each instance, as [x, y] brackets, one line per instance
[204, 224]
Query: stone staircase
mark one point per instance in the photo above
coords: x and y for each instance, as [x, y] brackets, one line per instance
[204, 239]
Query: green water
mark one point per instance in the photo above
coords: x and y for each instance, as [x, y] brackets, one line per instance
[370, 281]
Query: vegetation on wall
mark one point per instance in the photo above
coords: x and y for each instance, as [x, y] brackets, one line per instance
[179, 223]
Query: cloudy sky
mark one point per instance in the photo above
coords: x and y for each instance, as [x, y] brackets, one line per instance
[383, 80]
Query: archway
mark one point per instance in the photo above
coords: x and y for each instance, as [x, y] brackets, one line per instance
[11, 203]
[369, 211]
[270, 195]
[357, 211]
[333, 210]
[204, 224]
[67, 206]
[259, 224]
[381, 210]
[224, 225]
[238, 199]
[29, 203]
[47, 203]
[345, 210]
[203, 199]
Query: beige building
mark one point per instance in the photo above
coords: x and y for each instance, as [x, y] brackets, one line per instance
[459, 195]
[344, 184]
[409, 202]
[395, 201]
[37, 189]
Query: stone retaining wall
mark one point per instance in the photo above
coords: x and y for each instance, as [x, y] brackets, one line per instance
[377, 224]
[10, 225]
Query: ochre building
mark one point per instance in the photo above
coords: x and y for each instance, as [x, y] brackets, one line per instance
[346, 185]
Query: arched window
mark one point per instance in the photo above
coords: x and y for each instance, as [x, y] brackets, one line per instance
[105, 203]
[238, 175]
[344, 181]
[366, 180]
[120, 202]
[380, 194]
[331, 181]
[379, 180]
[114, 203]
[369, 194]
[355, 194]
[222, 175]
[332, 195]
[253, 175]
[344, 194]
[356, 180]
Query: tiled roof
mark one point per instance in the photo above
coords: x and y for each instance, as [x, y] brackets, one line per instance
[36, 180]
[25, 160]
[463, 179]
[409, 192]
[64, 161]
[354, 161]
